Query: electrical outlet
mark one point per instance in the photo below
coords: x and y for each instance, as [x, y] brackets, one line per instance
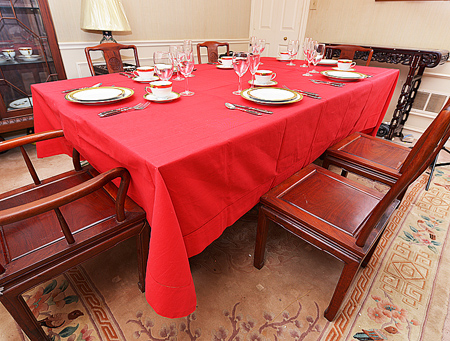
[313, 5]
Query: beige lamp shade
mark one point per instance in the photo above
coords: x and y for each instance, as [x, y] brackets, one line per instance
[103, 15]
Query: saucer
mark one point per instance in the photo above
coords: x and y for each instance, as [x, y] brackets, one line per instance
[256, 83]
[153, 98]
[337, 69]
[283, 60]
[31, 58]
[140, 80]
[220, 66]
[328, 62]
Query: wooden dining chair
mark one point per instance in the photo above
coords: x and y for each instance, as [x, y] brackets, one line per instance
[51, 225]
[337, 215]
[212, 48]
[348, 52]
[376, 158]
[111, 53]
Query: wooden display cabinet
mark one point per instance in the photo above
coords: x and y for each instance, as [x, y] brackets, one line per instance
[27, 31]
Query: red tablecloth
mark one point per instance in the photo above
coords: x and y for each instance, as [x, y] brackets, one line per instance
[197, 166]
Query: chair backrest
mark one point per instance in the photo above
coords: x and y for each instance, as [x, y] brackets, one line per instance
[111, 53]
[348, 51]
[423, 153]
[212, 49]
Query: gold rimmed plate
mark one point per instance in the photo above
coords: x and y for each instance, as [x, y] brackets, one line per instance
[272, 94]
[298, 97]
[99, 95]
[343, 75]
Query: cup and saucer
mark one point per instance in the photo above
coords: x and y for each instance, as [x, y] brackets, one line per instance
[256, 83]
[160, 91]
[284, 57]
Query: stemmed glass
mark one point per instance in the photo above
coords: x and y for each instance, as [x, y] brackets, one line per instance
[292, 50]
[253, 66]
[305, 45]
[240, 65]
[187, 47]
[253, 48]
[310, 55]
[261, 45]
[163, 65]
[185, 66]
[320, 51]
[174, 52]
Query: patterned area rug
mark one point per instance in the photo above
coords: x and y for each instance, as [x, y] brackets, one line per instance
[402, 295]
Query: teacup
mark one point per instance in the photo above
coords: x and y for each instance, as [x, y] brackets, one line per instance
[226, 61]
[160, 89]
[345, 64]
[284, 56]
[26, 51]
[144, 72]
[9, 53]
[264, 76]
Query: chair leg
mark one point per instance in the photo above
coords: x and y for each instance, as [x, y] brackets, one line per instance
[433, 166]
[369, 255]
[18, 309]
[347, 275]
[261, 238]
[142, 243]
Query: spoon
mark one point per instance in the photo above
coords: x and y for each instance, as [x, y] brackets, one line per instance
[232, 107]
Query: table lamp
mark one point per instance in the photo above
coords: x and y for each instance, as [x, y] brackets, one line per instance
[104, 15]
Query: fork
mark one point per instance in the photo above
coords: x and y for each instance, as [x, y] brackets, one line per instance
[112, 112]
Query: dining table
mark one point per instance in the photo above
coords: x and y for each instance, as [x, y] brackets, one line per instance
[196, 166]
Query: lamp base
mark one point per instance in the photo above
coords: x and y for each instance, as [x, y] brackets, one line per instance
[107, 37]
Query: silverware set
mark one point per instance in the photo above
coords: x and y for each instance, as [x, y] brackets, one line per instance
[337, 84]
[305, 93]
[112, 112]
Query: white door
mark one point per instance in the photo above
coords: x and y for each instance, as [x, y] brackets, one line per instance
[277, 21]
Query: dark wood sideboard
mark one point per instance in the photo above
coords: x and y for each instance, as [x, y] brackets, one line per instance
[25, 24]
[417, 60]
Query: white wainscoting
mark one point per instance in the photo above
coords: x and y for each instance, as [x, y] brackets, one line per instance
[76, 66]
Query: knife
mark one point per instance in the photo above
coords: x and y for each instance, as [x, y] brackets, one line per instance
[86, 87]
[254, 109]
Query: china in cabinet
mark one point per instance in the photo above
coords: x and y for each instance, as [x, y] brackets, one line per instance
[29, 55]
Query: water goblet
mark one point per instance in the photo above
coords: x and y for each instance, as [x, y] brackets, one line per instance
[292, 50]
[185, 66]
[163, 65]
[320, 51]
[310, 55]
[305, 46]
[240, 65]
[174, 52]
[253, 66]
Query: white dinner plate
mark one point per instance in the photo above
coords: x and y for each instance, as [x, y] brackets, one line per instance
[153, 98]
[140, 80]
[21, 103]
[256, 83]
[245, 95]
[220, 66]
[328, 62]
[343, 75]
[272, 94]
[100, 97]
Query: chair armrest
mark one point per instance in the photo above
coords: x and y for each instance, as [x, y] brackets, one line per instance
[54, 201]
[32, 138]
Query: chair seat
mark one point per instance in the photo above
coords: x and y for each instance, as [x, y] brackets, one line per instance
[375, 158]
[319, 201]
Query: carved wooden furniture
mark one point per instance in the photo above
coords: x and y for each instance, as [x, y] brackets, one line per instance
[54, 224]
[212, 49]
[25, 23]
[417, 60]
[339, 216]
[111, 53]
[375, 158]
[348, 52]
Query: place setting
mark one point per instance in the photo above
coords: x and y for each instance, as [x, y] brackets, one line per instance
[344, 71]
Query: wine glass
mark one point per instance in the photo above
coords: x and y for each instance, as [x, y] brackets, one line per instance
[187, 47]
[185, 66]
[163, 65]
[253, 66]
[261, 45]
[310, 55]
[305, 50]
[240, 65]
[292, 50]
[253, 42]
[174, 52]
[320, 51]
